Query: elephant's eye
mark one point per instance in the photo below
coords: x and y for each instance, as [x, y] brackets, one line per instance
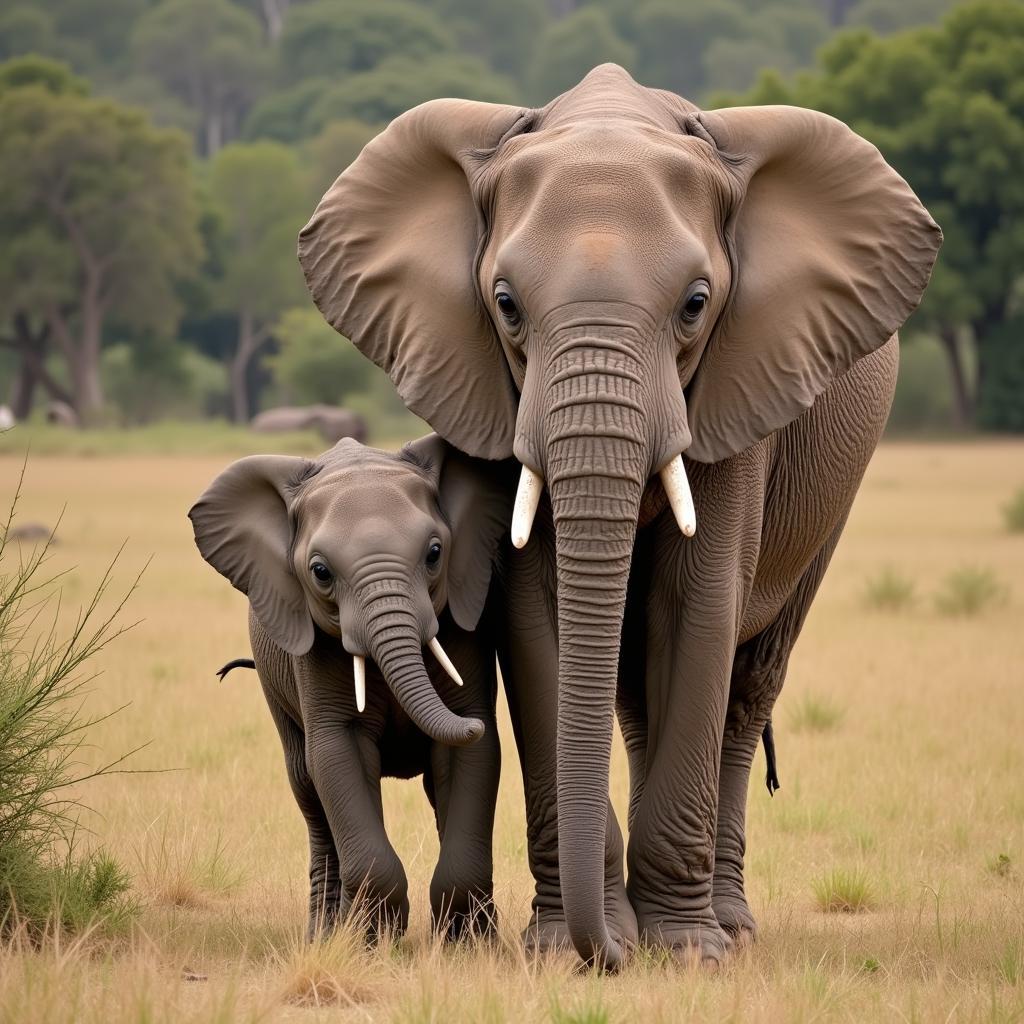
[507, 307]
[433, 554]
[696, 303]
[321, 573]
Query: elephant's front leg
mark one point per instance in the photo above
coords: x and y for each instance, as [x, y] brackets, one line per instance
[345, 768]
[462, 888]
[671, 854]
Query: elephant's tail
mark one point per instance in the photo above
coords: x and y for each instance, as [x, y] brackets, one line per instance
[772, 776]
[237, 663]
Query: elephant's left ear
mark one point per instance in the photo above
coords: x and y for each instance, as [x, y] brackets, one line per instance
[476, 498]
[831, 253]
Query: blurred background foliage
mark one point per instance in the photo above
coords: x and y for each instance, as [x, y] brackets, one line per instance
[158, 158]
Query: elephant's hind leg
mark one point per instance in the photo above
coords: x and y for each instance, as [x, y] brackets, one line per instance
[759, 670]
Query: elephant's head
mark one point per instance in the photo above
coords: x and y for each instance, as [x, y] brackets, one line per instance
[596, 287]
[369, 547]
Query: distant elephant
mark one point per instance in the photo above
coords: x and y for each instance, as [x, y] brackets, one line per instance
[362, 554]
[598, 286]
[329, 421]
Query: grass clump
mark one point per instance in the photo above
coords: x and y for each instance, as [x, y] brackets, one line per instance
[815, 714]
[968, 591]
[843, 891]
[889, 591]
[336, 970]
[1001, 865]
[44, 882]
[1013, 512]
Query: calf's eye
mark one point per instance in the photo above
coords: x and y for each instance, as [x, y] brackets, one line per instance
[696, 302]
[321, 573]
[433, 554]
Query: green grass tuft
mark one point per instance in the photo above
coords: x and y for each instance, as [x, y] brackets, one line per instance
[815, 714]
[843, 891]
[889, 591]
[42, 732]
[968, 591]
[1013, 512]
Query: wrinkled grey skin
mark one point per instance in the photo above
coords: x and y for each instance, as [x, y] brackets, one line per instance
[598, 287]
[371, 518]
[330, 422]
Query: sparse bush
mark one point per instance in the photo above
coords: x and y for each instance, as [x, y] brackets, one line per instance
[815, 714]
[969, 591]
[843, 892]
[889, 591]
[1001, 865]
[43, 882]
[335, 970]
[1013, 512]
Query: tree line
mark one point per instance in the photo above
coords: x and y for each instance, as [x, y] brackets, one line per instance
[159, 157]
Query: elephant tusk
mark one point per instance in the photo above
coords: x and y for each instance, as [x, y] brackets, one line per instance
[677, 487]
[359, 674]
[525, 508]
[446, 662]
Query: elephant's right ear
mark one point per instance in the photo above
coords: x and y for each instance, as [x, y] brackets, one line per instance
[390, 260]
[242, 529]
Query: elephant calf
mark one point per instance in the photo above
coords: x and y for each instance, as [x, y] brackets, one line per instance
[359, 555]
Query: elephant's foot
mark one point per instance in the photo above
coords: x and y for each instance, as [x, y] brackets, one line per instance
[473, 918]
[548, 932]
[701, 942]
[379, 917]
[733, 914]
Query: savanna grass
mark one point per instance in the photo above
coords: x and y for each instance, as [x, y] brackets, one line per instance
[815, 713]
[42, 734]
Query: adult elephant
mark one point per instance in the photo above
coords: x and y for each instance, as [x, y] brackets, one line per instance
[598, 286]
[331, 422]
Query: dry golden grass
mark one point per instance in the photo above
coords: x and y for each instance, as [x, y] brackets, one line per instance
[918, 789]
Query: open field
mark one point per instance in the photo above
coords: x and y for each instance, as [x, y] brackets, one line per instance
[901, 759]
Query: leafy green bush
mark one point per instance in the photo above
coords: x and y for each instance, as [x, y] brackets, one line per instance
[42, 730]
[969, 591]
[888, 590]
[1013, 512]
[924, 396]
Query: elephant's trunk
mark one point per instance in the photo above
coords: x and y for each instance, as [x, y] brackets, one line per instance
[597, 462]
[393, 637]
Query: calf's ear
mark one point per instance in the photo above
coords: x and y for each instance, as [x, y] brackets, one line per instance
[242, 528]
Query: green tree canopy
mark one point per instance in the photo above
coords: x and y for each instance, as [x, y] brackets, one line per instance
[378, 96]
[569, 48]
[208, 53]
[97, 217]
[263, 200]
[314, 364]
[329, 39]
[946, 107]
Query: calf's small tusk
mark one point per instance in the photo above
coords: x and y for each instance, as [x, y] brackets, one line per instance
[525, 508]
[677, 487]
[446, 662]
[359, 675]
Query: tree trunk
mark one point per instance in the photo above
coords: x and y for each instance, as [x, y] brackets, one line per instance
[963, 399]
[274, 12]
[250, 338]
[23, 388]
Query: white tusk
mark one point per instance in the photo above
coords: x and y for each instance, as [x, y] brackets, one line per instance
[677, 487]
[446, 662]
[359, 674]
[525, 508]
